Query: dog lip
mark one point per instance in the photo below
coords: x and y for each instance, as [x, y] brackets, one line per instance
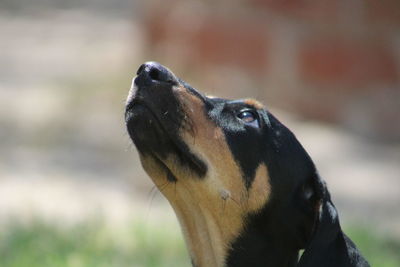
[133, 103]
[135, 97]
[138, 102]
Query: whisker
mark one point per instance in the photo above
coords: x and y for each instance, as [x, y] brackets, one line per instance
[152, 193]
[223, 206]
[236, 202]
[175, 189]
[162, 187]
[152, 190]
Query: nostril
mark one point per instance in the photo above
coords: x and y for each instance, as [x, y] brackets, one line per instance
[154, 74]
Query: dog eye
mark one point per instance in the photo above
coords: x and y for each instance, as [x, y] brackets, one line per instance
[249, 117]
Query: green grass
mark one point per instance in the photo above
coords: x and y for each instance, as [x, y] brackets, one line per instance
[141, 244]
[91, 244]
[380, 251]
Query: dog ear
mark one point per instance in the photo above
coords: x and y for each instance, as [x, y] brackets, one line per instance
[328, 246]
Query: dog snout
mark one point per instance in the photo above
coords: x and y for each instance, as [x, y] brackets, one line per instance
[153, 72]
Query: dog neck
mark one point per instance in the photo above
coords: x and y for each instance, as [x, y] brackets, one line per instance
[208, 228]
[208, 247]
[210, 244]
[205, 241]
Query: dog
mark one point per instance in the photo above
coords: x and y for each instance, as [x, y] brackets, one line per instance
[245, 191]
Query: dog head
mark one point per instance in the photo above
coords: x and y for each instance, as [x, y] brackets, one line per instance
[233, 173]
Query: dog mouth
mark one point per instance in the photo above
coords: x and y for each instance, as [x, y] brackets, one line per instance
[155, 118]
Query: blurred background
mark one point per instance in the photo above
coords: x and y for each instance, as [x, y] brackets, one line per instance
[72, 191]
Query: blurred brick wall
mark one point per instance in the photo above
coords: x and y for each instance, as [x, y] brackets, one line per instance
[336, 61]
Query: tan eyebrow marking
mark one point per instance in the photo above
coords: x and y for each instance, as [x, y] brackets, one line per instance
[254, 103]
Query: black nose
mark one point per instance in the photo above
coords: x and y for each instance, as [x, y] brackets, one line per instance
[155, 72]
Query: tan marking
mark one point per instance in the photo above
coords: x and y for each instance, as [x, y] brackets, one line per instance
[254, 103]
[211, 209]
[260, 189]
